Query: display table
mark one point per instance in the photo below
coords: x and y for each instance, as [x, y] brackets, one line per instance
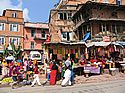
[123, 67]
[112, 71]
[93, 69]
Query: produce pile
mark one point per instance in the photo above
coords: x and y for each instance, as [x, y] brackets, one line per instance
[7, 80]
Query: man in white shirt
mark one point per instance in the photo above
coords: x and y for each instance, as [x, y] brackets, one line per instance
[68, 62]
[67, 76]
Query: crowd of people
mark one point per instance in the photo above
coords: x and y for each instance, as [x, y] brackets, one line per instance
[54, 70]
[30, 70]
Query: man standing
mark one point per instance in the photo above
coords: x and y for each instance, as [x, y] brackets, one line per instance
[67, 76]
[68, 62]
[36, 76]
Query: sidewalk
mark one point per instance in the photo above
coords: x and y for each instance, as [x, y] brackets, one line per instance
[82, 79]
[99, 78]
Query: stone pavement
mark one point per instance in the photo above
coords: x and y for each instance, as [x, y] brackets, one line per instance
[99, 78]
[117, 86]
[84, 80]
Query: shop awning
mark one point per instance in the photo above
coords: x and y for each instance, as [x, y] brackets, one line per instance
[122, 43]
[98, 44]
[89, 44]
[117, 44]
[101, 43]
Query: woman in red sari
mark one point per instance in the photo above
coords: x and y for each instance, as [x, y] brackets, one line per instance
[53, 73]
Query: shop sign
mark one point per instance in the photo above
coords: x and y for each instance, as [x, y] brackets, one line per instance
[106, 38]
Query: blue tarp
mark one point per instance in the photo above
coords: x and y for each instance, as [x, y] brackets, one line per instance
[87, 36]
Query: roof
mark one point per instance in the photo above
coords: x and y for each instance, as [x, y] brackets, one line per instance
[66, 43]
[36, 25]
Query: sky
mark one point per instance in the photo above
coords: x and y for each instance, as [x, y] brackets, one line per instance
[33, 10]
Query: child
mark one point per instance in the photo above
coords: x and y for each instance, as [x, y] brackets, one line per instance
[36, 76]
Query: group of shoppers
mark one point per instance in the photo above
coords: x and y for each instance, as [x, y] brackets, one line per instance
[24, 70]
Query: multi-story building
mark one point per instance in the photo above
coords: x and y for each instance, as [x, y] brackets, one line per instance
[60, 23]
[63, 29]
[35, 34]
[100, 20]
[11, 29]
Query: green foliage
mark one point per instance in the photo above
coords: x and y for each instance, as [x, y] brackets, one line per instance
[5, 52]
[16, 51]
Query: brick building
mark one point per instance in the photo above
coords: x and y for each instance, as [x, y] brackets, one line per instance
[11, 28]
[100, 20]
[64, 31]
[35, 34]
[60, 23]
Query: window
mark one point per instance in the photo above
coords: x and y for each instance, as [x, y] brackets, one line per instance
[116, 29]
[65, 16]
[32, 45]
[62, 16]
[103, 27]
[66, 36]
[69, 15]
[33, 33]
[2, 26]
[14, 40]
[14, 27]
[114, 14]
[118, 2]
[14, 15]
[43, 34]
[1, 41]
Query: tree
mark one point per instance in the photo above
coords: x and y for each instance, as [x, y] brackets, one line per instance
[5, 52]
[16, 51]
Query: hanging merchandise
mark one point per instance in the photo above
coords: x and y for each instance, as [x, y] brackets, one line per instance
[68, 55]
[69, 51]
[99, 49]
[76, 55]
[72, 51]
[59, 56]
[54, 51]
[63, 52]
[66, 51]
[87, 56]
[52, 47]
[60, 50]
[115, 47]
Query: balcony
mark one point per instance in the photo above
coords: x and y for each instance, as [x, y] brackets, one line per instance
[40, 37]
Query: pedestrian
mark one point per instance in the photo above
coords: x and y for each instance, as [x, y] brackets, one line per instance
[67, 62]
[14, 73]
[53, 73]
[36, 76]
[72, 72]
[67, 77]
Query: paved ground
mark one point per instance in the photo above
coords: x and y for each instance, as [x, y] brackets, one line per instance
[117, 86]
